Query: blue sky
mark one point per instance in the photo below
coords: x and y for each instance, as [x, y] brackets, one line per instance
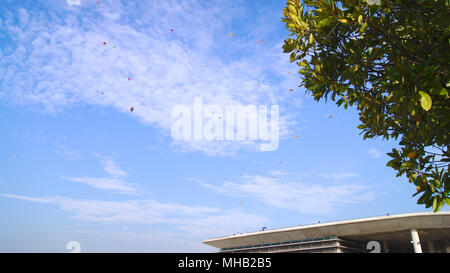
[77, 165]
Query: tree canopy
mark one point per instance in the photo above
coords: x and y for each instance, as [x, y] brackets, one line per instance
[391, 60]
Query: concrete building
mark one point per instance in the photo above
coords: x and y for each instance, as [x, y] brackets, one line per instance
[412, 232]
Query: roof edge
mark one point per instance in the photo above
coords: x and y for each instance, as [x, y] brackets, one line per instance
[343, 222]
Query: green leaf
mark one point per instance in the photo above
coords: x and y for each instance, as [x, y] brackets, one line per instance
[425, 100]
[393, 163]
[303, 63]
[435, 203]
[418, 180]
[355, 54]
[390, 96]
[412, 154]
[288, 46]
[292, 57]
[325, 22]
[443, 92]
[437, 88]
[441, 203]
[423, 198]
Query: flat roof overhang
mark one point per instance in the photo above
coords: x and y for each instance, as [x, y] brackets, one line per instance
[356, 227]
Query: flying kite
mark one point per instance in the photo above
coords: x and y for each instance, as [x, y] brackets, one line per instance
[131, 109]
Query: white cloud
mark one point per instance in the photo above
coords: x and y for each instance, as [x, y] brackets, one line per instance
[131, 211]
[68, 153]
[278, 173]
[305, 197]
[339, 175]
[226, 223]
[195, 220]
[109, 184]
[114, 183]
[111, 168]
[374, 153]
[64, 63]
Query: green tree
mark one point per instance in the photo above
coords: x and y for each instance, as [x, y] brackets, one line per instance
[391, 60]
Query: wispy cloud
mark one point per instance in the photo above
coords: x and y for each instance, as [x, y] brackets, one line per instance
[278, 173]
[115, 183]
[338, 175]
[68, 153]
[110, 167]
[58, 64]
[225, 223]
[196, 220]
[306, 197]
[132, 211]
[108, 184]
[374, 153]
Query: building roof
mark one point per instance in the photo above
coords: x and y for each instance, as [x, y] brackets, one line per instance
[356, 227]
